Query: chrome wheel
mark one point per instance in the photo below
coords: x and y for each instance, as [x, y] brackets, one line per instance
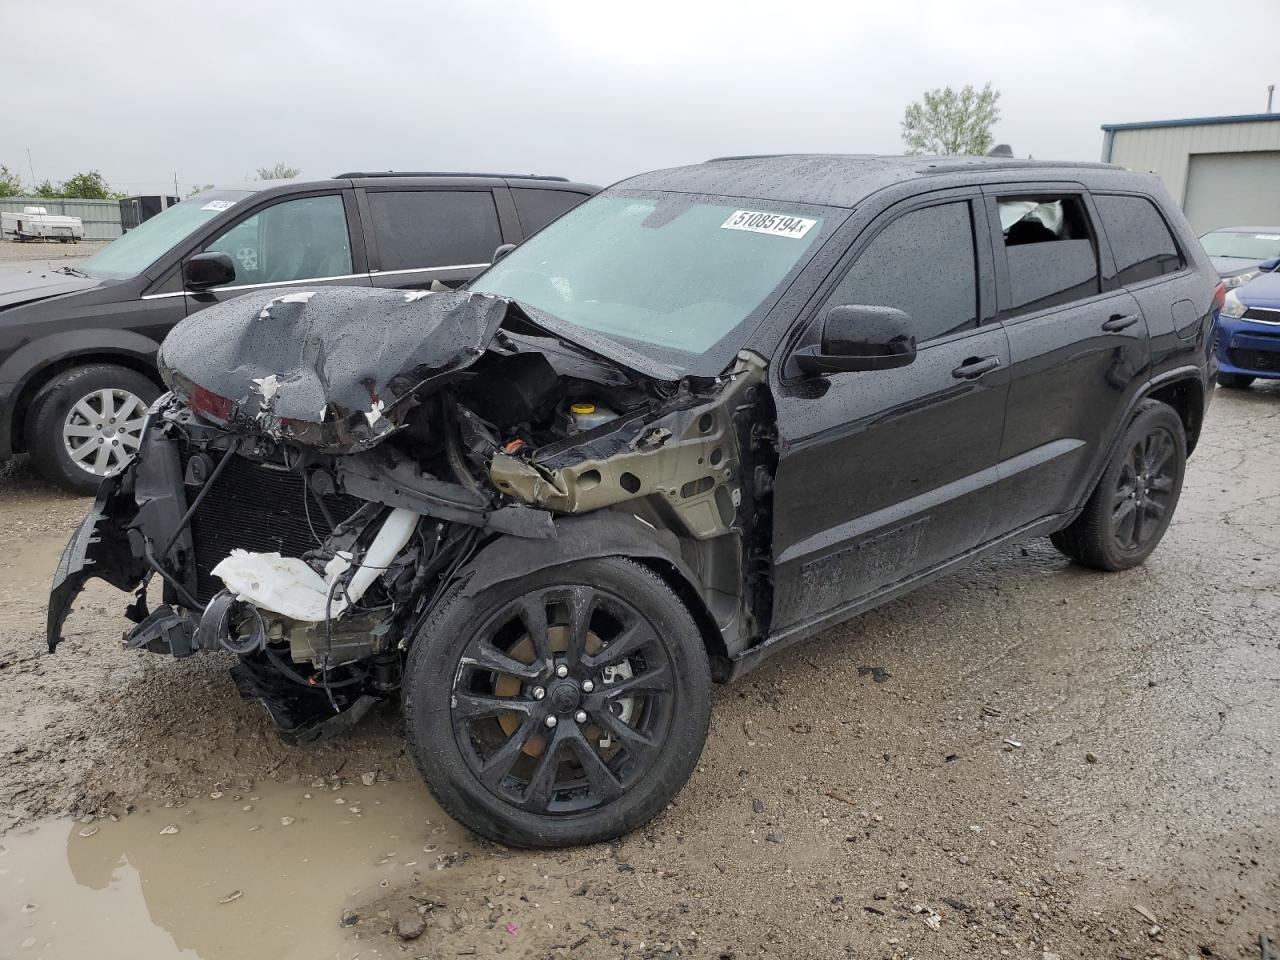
[102, 431]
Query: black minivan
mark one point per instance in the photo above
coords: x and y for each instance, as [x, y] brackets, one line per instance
[78, 344]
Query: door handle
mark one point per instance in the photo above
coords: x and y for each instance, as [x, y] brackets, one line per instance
[975, 367]
[1118, 321]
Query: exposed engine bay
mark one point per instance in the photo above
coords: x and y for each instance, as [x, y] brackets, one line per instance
[330, 463]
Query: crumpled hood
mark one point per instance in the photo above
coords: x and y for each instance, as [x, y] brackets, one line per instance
[25, 286]
[331, 368]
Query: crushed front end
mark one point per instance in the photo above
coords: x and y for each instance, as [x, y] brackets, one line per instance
[327, 462]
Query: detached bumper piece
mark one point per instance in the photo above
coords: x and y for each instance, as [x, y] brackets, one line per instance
[99, 548]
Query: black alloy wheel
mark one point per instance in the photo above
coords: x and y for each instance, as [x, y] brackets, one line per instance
[1133, 503]
[571, 714]
[564, 708]
[1144, 493]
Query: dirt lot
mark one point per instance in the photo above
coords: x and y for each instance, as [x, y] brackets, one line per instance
[1023, 759]
[14, 255]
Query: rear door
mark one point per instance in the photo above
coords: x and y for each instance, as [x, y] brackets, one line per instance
[1078, 345]
[1150, 265]
[883, 474]
[422, 236]
[291, 241]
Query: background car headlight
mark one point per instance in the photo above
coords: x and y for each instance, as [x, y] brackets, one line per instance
[1239, 279]
[1231, 305]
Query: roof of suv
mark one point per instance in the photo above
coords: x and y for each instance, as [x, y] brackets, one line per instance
[393, 178]
[836, 180]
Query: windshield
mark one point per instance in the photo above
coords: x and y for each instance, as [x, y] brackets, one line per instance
[669, 275]
[1245, 246]
[130, 254]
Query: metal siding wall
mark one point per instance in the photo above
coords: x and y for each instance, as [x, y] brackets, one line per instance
[1232, 189]
[101, 218]
[1165, 151]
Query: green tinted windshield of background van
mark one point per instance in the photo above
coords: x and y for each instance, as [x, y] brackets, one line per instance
[671, 271]
[130, 254]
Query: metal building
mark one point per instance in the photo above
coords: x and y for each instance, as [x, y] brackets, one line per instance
[101, 218]
[1225, 171]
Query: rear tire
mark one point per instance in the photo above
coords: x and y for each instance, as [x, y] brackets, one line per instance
[1235, 381]
[1128, 512]
[590, 737]
[77, 409]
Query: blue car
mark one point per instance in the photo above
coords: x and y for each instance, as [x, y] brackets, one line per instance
[1249, 330]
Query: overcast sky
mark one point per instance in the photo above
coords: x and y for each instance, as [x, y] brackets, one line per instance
[585, 88]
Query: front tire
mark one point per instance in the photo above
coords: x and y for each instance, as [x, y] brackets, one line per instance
[86, 424]
[1133, 503]
[1235, 381]
[565, 707]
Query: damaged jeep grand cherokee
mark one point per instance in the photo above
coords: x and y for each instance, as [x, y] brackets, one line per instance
[703, 415]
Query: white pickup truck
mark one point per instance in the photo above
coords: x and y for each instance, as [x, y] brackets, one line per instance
[36, 223]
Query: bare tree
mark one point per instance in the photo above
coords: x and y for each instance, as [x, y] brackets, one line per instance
[280, 171]
[950, 122]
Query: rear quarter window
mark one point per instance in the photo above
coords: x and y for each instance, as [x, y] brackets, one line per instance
[417, 229]
[1140, 240]
[537, 208]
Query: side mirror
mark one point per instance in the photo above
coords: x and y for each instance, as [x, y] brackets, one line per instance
[206, 270]
[502, 251]
[860, 338]
[1269, 266]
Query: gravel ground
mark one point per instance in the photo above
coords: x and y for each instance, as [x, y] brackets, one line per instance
[30, 253]
[1021, 760]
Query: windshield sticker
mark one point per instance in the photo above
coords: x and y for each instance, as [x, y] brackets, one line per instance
[219, 205]
[775, 224]
[1266, 236]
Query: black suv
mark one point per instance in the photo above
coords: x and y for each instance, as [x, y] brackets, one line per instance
[78, 345]
[704, 415]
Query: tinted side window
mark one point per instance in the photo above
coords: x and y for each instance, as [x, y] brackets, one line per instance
[299, 239]
[1051, 254]
[434, 228]
[922, 263]
[537, 208]
[1140, 240]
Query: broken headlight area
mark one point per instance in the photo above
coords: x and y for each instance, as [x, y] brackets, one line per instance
[303, 501]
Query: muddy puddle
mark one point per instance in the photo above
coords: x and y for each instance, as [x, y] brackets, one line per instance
[266, 872]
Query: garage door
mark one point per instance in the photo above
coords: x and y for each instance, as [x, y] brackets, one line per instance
[1233, 189]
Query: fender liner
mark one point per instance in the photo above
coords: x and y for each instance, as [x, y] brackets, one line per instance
[604, 533]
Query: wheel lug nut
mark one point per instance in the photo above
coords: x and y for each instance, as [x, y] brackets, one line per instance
[580, 716]
[538, 693]
[562, 671]
[587, 686]
[551, 721]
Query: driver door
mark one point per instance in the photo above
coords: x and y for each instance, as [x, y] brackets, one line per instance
[294, 241]
[885, 474]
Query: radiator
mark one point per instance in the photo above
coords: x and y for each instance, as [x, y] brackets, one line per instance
[260, 509]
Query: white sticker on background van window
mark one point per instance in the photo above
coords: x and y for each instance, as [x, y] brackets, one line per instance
[1266, 236]
[775, 224]
[219, 205]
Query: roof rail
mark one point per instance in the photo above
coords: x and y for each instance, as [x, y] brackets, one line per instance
[361, 174]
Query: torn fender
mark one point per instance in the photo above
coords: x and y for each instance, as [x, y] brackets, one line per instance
[606, 533]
